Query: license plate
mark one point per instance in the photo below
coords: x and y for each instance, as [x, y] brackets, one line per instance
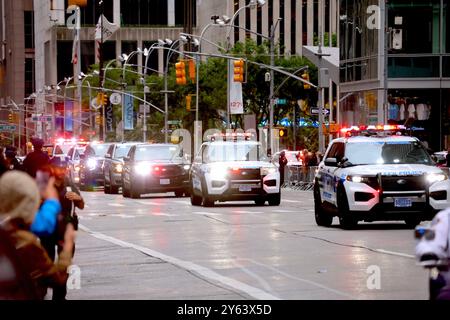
[245, 188]
[402, 202]
[164, 181]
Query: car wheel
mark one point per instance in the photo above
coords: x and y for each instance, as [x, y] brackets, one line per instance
[323, 219]
[346, 221]
[195, 200]
[106, 187]
[206, 200]
[134, 192]
[125, 191]
[260, 202]
[179, 194]
[412, 222]
[275, 200]
[114, 189]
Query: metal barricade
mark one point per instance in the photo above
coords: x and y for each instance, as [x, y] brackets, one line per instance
[299, 177]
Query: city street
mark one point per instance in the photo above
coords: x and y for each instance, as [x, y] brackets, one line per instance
[161, 247]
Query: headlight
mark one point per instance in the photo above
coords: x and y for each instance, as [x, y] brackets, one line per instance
[91, 164]
[357, 179]
[77, 168]
[268, 170]
[118, 168]
[143, 169]
[218, 172]
[186, 167]
[435, 177]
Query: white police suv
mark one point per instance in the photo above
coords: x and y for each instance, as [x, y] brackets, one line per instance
[373, 178]
[232, 169]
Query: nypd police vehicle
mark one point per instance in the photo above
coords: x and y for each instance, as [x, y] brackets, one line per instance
[378, 177]
[232, 168]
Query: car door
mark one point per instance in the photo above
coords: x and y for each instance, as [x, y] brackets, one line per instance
[196, 169]
[108, 159]
[329, 172]
[127, 168]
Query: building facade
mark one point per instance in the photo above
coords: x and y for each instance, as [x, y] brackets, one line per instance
[394, 65]
[17, 57]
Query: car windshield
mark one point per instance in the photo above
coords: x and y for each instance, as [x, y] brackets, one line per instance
[98, 150]
[233, 152]
[291, 157]
[396, 152]
[65, 148]
[152, 153]
[121, 151]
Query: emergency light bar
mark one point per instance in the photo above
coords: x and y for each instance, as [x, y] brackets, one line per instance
[230, 136]
[372, 129]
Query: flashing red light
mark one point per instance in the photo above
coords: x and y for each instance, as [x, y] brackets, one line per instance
[156, 169]
[235, 169]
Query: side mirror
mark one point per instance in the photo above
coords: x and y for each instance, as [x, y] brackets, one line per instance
[126, 159]
[181, 154]
[107, 156]
[82, 156]
[434, 158]
[331, 162]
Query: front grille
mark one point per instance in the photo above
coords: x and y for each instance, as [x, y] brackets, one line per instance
[403, 183]
[168, 171]
[245, 174]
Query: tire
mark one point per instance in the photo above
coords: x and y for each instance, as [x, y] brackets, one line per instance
[125, 191]
[134, 193]
[412, 222]
[195, 200]
[106, 188]
[179, 194]
[114, 190]
[275, 200]
[346, 221]
[260, 202]
[206, 200]
[323, 219]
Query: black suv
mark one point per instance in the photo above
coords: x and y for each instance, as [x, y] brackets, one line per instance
[155, 168]
[91, 165]
[113, 166]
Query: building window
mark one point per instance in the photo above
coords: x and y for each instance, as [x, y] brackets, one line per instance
[109, 50]
[144, 13]
[446, 26]
[87, 55]
[64, 57]
[29, 29]
[236, 22]
[282, 27]
[247, 20]
[293, 26]
[91, 13]
[29, 76]
[418, 22]
[259, 24]
[128, 47]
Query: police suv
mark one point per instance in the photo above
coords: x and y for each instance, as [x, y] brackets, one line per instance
[232, 168]
[378, 177]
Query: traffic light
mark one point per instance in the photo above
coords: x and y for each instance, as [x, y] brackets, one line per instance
[282, 133]
[305, 76]
[238, 70]
[188, 102]
[191, 67]
[102, 99]
[98, 119]
[180, 70]
[10, 118]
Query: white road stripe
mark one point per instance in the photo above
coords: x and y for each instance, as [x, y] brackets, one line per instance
[116, 205]
[148, 203]
[395, 253]
[207, 213]
[283, 211]
[123, 216]
[189, 266]
[181, 202]
[293, 201]
[243, 211]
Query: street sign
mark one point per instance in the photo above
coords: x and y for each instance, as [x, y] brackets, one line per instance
[141, 108]
[115, 98]
[168, 131]
[174, 122]
[41, 118]
[8, 127]
[316, 111]
[281, 101]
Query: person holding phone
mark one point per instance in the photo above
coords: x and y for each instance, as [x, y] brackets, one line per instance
[70, 198]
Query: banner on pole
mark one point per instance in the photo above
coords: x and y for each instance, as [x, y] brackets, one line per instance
[109, 117]
[68, 119]
[108, 29]
[128, 112]
[236, 103]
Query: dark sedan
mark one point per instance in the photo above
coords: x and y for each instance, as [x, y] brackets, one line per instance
[155, 168]
[113, 166]
[91, 165]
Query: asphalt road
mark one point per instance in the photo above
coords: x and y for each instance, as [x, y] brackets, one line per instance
[161, 247]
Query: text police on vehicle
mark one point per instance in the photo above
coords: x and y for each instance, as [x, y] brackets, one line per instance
[231, 167]
[383, 177]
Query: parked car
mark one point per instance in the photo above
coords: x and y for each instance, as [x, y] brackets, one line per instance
[113, 166]
[74, 155]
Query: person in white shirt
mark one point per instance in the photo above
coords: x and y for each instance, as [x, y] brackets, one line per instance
[402, 111]
[421, 110]
[411, 111]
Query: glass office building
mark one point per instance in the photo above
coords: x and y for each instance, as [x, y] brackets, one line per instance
[417, 44]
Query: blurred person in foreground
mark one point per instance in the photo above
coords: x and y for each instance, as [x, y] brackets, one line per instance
[11, 159]
[3, 162]
[70, 198]
[19, 203]
[37, 159]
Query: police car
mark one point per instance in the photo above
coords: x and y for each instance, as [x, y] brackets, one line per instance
[378, 177]
[231, 167]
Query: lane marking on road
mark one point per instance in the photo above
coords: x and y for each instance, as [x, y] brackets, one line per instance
[313, 283]
[405, 255]
[292, 201]
[181, 201]
[188, 266]
[148, 203]
[282, 211]
[116, 205]
[252, 274]
[207, 213]
[244, 211]
[123, 215]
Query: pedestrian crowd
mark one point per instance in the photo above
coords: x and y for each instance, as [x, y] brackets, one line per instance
[38, 225]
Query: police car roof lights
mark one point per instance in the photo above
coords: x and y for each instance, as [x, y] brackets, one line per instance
[380, 130]
[231, 136]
